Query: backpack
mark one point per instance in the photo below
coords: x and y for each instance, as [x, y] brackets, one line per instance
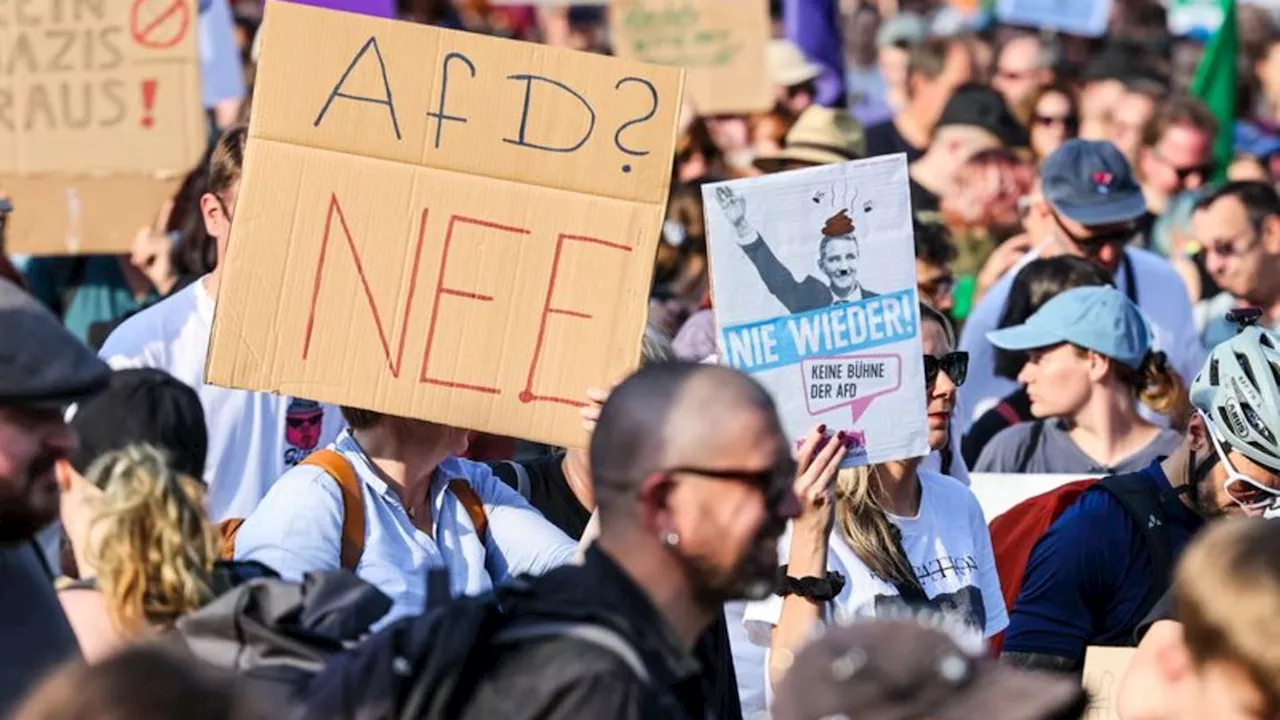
[280, 634]
[1015, 533]
[336, 466]
[425, 667]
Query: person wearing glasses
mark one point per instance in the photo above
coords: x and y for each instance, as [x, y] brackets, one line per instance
[1177, 151]
[1238, 229]
[1090, 361]
[1097, 572]
[1055, 119]
[887, 540]
[1090, 206]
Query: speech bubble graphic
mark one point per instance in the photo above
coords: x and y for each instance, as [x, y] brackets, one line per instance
[852, 381]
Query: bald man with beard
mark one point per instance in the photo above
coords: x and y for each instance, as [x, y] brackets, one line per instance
[694, 484]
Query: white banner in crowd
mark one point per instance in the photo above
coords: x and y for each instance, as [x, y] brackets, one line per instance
[813, 277]
[997, 492]
[1076, 17]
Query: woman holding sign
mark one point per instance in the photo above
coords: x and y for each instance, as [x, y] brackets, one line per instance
[887, 540]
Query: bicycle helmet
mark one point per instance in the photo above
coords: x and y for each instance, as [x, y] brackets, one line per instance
[1238, 388]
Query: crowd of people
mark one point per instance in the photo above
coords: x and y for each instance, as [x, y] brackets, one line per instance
[1099, 298]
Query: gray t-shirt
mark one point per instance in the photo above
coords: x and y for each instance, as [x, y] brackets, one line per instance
[1021, 449]
[36, 635]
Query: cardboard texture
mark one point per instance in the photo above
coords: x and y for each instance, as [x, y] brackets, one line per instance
[100, 116]
[1104, 669]
[443, 225]
[721, 43]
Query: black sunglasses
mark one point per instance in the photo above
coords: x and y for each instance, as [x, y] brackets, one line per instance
[1093, 244]
[775, 482]
[297, 422]
[954, 364]
[1068, 121]
[1203, 171]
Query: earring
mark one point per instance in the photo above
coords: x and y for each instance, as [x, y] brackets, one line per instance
[670, 539]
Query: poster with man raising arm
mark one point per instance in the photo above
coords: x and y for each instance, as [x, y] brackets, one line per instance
[813, 277]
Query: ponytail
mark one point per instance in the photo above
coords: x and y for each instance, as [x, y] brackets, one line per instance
[1158, 387]
[155, 547]
[866, 527]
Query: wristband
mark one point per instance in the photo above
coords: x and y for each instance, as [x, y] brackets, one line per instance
[823, 589]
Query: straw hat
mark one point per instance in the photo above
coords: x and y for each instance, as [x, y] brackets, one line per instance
[820, 136]
[788, 65]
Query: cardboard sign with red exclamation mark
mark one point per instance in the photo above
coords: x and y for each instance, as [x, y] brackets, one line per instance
[148, 103]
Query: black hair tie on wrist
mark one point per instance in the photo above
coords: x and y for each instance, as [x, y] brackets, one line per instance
[823, 589]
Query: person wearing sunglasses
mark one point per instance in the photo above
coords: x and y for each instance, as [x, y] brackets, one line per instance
[1090, 361]
[1089, 205]
[1177, 151]
[892, 538]
[1055, 119]
[1097, 573]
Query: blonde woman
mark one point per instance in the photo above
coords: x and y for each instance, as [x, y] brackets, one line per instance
[143, 546]
[887, 539]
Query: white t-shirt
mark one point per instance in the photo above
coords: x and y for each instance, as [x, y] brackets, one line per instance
[1162, 296]
[947, 543]
[253, 437]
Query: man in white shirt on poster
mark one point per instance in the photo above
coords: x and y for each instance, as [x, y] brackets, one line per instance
[253, 437]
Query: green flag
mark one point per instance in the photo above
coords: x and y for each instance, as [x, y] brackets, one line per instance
[1215, 83]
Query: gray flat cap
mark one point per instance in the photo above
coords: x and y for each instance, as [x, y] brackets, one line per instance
[40, 362]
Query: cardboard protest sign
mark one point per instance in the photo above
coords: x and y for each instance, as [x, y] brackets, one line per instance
[100, 116]
[443, 225]
[721, 43]
[1087, 18]
[813, 278]
[1104, 670]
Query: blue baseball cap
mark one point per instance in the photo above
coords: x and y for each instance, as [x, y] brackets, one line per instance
[1091, 183]
[1098, 318]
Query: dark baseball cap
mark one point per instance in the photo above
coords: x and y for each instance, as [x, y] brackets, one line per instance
[1090, 182]
[980, 106]
[902, 670]
[40, 362]
[142, 405]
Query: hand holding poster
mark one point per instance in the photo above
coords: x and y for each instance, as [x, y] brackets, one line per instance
[829, 347]
[100, 116]
[443, 225]
[721, 43]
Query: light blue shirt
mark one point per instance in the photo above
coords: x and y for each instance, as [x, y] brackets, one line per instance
[298, 529]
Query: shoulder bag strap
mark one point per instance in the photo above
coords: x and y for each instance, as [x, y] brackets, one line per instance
[466, 495]
[337, 467]
[1144, 505]
[1029, 450]
[597, 635]
[523, 485]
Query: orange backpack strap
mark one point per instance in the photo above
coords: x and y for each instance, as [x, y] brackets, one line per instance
[337, 467]
[466, 495]
[227, 529]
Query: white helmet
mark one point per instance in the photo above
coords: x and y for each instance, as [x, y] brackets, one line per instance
[1239, 390]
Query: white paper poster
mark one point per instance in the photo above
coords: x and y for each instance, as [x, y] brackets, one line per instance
[814, 285]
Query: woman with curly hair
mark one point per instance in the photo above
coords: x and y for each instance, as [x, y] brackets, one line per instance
[145, 551]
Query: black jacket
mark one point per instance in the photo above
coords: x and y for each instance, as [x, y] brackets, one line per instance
[448, 658]
[567, 678]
